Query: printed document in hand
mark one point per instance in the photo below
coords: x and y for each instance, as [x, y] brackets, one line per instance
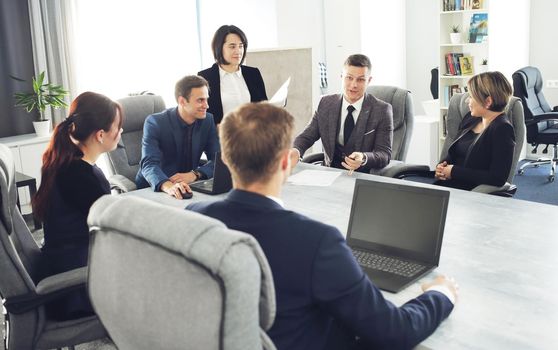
[314, 178]
[280, 97]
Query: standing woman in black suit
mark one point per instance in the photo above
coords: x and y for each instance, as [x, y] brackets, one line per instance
[483, 150]
[71, 182]
[231, 84]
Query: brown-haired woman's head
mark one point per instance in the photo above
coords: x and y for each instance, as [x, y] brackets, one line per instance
[229, 45]
[491, 90]
[94, 121]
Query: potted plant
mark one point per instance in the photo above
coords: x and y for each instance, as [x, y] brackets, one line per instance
[43, 95]
[455, 35]
[484, 65]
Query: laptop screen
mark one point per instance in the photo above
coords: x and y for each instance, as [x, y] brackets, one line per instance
[400, 220]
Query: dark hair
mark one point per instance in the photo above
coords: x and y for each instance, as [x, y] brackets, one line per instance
[185, 85]
[89, 113]
[358, 60]
[493, 84]
[252, 138]
[219, 40]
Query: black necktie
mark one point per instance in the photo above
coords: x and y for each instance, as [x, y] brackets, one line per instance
[349, 125]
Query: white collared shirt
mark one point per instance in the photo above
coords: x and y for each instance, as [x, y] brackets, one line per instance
[356, 112]
[277, 200]
[234, 91]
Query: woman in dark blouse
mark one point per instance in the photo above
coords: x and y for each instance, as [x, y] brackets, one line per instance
[71, 182]
[483, 151]
[231, 84]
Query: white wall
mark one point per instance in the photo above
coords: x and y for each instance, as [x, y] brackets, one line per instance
[543, 48]
[382, 25]
[256, 18]
[422, 43]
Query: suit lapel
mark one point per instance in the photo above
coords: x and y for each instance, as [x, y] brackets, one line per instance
[176, 130]
[362, 122]
[333, 120]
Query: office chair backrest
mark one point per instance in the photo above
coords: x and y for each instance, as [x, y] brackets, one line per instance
[403, 117]
[167, 278]
[19, 253]
[527, 85]
[458, 108]
[125, 159]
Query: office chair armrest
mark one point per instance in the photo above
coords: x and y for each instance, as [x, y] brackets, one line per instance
[401, 171]
[506, 190]
[48, 289]
[121, 183]
[314, 158]
[543, 117]
[390, 170]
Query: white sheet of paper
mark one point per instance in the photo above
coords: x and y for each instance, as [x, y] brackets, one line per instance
[314, 178]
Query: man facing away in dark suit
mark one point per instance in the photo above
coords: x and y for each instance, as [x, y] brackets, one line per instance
[174, 140]
[324, 300]
[356, 128]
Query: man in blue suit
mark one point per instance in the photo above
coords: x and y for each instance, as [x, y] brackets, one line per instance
[324, 300]
[174, 140]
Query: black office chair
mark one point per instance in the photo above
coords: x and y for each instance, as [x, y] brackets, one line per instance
[541, 121]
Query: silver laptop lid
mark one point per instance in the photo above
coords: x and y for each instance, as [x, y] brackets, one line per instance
[398, 220]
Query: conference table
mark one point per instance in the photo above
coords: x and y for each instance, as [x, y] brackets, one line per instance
[503, 253]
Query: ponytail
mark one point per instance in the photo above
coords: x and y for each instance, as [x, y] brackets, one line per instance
[89, 112]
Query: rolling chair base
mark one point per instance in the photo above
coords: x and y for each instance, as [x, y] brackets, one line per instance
[543, 161]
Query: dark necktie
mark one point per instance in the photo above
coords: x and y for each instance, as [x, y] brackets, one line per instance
[349, 125]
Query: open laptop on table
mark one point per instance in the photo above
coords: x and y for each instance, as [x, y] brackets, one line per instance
[221, 181]
[396, 231]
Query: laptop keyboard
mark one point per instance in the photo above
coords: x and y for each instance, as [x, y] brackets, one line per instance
[387, 264]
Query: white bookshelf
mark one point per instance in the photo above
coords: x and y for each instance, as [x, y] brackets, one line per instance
[506, 47]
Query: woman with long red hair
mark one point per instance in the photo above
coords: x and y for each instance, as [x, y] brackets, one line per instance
[71, 182]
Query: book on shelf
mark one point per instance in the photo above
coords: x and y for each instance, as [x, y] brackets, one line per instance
[457, 5]
[478, 30]
[449, 91]
[452, 63]
[466, 64]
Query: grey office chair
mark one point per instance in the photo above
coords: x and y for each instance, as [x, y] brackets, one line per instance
[23, 291]
[403, 120]
[458, 108]
[167, 278]
[124, 160]
[540, 119]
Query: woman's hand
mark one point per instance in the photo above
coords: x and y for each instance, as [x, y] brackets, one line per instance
[443, 171]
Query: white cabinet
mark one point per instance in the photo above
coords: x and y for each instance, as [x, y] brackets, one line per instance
[28, 152]
[423, 148]
[503, 41]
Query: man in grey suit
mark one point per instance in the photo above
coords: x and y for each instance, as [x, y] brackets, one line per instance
[355, 127]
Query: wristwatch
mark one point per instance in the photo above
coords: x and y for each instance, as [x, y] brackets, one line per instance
[198, 174]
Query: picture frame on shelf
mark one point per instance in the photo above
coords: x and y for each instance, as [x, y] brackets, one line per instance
[466, 64]
[478, 30]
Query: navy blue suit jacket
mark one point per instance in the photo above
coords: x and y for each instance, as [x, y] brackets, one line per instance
[320, 288]
[162, 147]
[252, 77]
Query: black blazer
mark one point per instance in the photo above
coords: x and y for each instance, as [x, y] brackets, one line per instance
[490, 158]
[253, 79]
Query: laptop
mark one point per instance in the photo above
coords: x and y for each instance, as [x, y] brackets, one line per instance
[221, 181]
[395, 231]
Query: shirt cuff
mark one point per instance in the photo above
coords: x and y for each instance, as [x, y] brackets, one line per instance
[444, 290]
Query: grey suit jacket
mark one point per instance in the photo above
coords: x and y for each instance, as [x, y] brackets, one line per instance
[372, 135]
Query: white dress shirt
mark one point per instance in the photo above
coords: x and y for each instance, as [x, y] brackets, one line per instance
[234, 91]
